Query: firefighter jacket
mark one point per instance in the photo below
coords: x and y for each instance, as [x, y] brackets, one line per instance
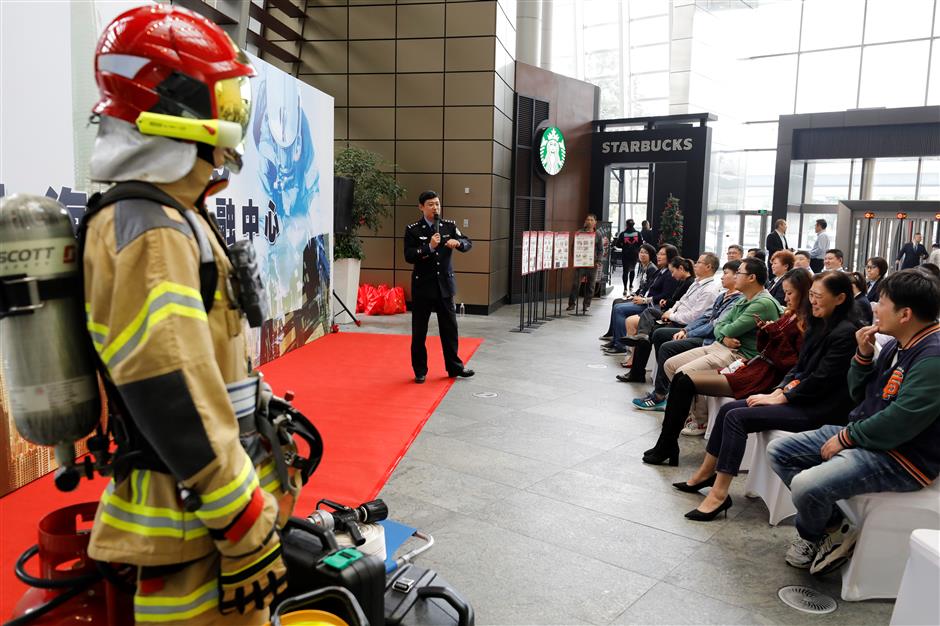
[183, 375]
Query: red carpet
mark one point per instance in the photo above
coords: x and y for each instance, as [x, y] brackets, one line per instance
[355, 387]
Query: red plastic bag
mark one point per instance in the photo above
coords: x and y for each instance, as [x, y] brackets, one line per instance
[395, 301]
[362, 297]
[376, 303]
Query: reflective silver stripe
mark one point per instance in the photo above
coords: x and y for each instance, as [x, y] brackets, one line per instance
[182, 526]
[206, 598]
[125, 65]
[241, 491]
[158, 303]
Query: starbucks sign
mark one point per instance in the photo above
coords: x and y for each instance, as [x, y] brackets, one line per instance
[552, 150]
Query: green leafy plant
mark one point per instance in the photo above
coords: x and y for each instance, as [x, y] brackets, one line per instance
[670, 225]
[374, 193]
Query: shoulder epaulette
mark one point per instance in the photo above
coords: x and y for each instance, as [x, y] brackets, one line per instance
[415, 224]
[450, 222]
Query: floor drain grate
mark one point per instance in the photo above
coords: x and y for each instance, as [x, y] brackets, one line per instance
[485, 394]
[806, 599]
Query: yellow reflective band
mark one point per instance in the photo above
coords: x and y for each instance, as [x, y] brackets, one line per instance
[150, 531]
[268, 478]
[250, 565]
[221, 133]
[183, 301]
[99, 332]
[161, 608]
[230, 497]
[218, 296]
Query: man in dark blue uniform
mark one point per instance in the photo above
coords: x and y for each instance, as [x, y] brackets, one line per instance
[429, 245]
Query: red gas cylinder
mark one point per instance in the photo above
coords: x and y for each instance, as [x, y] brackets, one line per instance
[63, 556]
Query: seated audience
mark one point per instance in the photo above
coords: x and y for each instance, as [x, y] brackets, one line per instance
[669, 343]
[862, 305]
[662, 286]
[646, 270]
[735, 338]
[876, 268]
[780, 263]
[892, 441]
[735, 252]
[813, 393]
[697, 300]
[682, 272]
[801, 260]
[833, 260]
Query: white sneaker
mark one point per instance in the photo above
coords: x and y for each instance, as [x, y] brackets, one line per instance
[801, 553]
[693, 429]
[835, 549]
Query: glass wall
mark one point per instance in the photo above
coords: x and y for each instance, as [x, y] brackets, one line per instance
[749, 62]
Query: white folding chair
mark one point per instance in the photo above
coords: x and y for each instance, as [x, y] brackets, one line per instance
[764, 483]
[885, 521]
[917, 598]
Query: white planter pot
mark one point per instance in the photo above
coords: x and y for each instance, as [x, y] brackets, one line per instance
[346, 286]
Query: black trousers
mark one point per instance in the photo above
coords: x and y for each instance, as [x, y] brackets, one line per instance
[681, 396]
[629, 271]
[641, 353]
[421, 309]
[582, 272]
[665, 352]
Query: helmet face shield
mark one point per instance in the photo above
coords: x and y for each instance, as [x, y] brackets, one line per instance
[233, 101]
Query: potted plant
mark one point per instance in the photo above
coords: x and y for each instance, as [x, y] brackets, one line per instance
[374, 193]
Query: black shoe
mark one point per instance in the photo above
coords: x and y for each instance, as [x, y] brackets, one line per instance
[687, 488]
[698, 516]
[464, 373]
[615, 350]
[609, 345]
[571, 307]
[419, 379]
[656, 457]
[606, 338]
[627, 378]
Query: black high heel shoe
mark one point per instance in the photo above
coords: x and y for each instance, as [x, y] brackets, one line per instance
[657, 457]
[699, 516]
[684, 486]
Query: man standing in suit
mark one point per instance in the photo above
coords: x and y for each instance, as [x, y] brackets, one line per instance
[776, 241]
[913, 253]
[429, 245]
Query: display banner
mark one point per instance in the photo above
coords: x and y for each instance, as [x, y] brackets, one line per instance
[282, 200]
[547, 245]
[533, 251]
[561, 250]
[525, 252]
[540, 251]
[583, 250]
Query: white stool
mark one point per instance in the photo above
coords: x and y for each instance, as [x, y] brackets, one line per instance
[917, 598]
[885, 521]
[763, 482]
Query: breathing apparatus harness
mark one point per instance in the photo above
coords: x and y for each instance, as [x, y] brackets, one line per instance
[274, 418]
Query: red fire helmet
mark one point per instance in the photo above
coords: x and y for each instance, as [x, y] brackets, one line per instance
[174, 73]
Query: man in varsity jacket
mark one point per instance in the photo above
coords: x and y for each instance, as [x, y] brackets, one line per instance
[892, 440]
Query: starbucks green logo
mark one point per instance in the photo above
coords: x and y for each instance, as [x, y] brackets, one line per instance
[552, 150]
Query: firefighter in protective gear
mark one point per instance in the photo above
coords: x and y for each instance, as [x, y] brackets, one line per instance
[195, 513]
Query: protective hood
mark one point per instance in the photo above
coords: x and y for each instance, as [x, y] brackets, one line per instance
[121, 153]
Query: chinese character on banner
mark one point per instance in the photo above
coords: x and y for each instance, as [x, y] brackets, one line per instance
[249, 219]
[225, 216]
[73, 201]
[2, 190]
[272, 224]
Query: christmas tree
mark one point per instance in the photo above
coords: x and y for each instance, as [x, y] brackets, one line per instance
[670, 224]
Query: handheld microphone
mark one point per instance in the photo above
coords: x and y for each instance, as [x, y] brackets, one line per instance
[437, 223]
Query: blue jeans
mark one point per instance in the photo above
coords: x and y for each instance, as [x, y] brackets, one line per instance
[618, 319]
[816, 485]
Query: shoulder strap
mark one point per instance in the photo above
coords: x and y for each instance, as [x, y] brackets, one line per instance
[135, 189]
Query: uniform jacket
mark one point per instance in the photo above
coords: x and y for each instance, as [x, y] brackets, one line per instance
[179, 371]
[433, 274]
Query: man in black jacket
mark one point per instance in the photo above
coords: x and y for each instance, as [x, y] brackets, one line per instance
[429, 245]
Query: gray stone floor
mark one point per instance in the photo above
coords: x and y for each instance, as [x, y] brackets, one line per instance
[543, 512]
